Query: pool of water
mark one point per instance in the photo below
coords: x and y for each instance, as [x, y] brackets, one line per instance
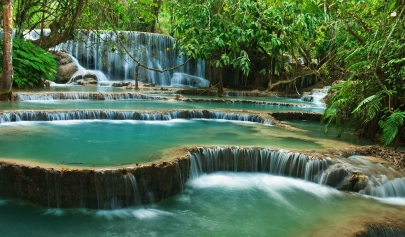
[111, 142]
[147, 105]
[219, 204]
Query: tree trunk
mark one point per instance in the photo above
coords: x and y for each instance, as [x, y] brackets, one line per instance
[6, 79]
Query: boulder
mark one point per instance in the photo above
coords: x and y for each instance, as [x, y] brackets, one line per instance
[66, 66]
[121, 84]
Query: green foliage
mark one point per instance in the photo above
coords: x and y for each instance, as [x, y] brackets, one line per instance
[371, 106]
[391, 126]
[341, 105]
[370, 47]
[239, 33]
[138, 15]
[30, 63]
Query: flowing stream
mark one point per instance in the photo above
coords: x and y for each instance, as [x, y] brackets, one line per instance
[71, 126]
[219, 204]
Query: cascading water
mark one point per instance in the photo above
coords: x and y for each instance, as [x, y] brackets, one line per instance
[208, 160]
[84, 75]
[316, 95]
[95, 51]
[321, 171]
[116, 191]
[84, 96]
[378, 231]
[6, 117]
[183, 79]
[389, 188]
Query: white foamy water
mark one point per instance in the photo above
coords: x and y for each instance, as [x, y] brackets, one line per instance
[265, 182]
[140, 213]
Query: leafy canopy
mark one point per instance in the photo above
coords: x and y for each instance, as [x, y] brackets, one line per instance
[241, 33]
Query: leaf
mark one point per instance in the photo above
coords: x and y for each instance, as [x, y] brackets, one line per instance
[31, 63]
[373, 103]
[391, 126]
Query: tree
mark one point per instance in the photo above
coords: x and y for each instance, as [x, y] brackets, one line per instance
[252, 36]
[61, 17]
[371, 54]
[6, 79]
[121, 15]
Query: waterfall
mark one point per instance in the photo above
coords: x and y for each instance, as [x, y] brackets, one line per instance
[180, 177]
[389, 188]
[208, 160]
[183, 79]
[316, 95]
[115, 190]
[380, 231]
[296, 165]
[84, 96]
[58, 189]
[101, 51]
[83, 75]
[16, 116]
[131, 189]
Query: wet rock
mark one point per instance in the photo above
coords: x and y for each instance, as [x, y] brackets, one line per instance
[121, 84]
[85, 79]
[149, 85]
[297, 116]
[395, 156]
[66, 67]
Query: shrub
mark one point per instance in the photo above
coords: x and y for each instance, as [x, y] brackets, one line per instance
[30, 63]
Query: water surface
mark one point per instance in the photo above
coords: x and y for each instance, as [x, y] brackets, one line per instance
[219, 204]
[115, 142]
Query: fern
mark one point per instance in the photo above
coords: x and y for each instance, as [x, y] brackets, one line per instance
[374, 99]
[30, 63]
[390, 127]
[372, 105]
[338, 109]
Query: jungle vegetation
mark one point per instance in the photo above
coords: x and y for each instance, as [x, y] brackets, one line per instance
[357, 45]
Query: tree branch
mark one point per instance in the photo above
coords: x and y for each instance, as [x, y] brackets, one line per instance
[356, 36]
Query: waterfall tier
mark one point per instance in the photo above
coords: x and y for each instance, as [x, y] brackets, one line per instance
[102, 51]
[16, 116]
[322, 171]
[84, 96]
[389, 188]
[380, 231]
[95, 189]
[150, 95]
[134, 185]
[316, 95]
